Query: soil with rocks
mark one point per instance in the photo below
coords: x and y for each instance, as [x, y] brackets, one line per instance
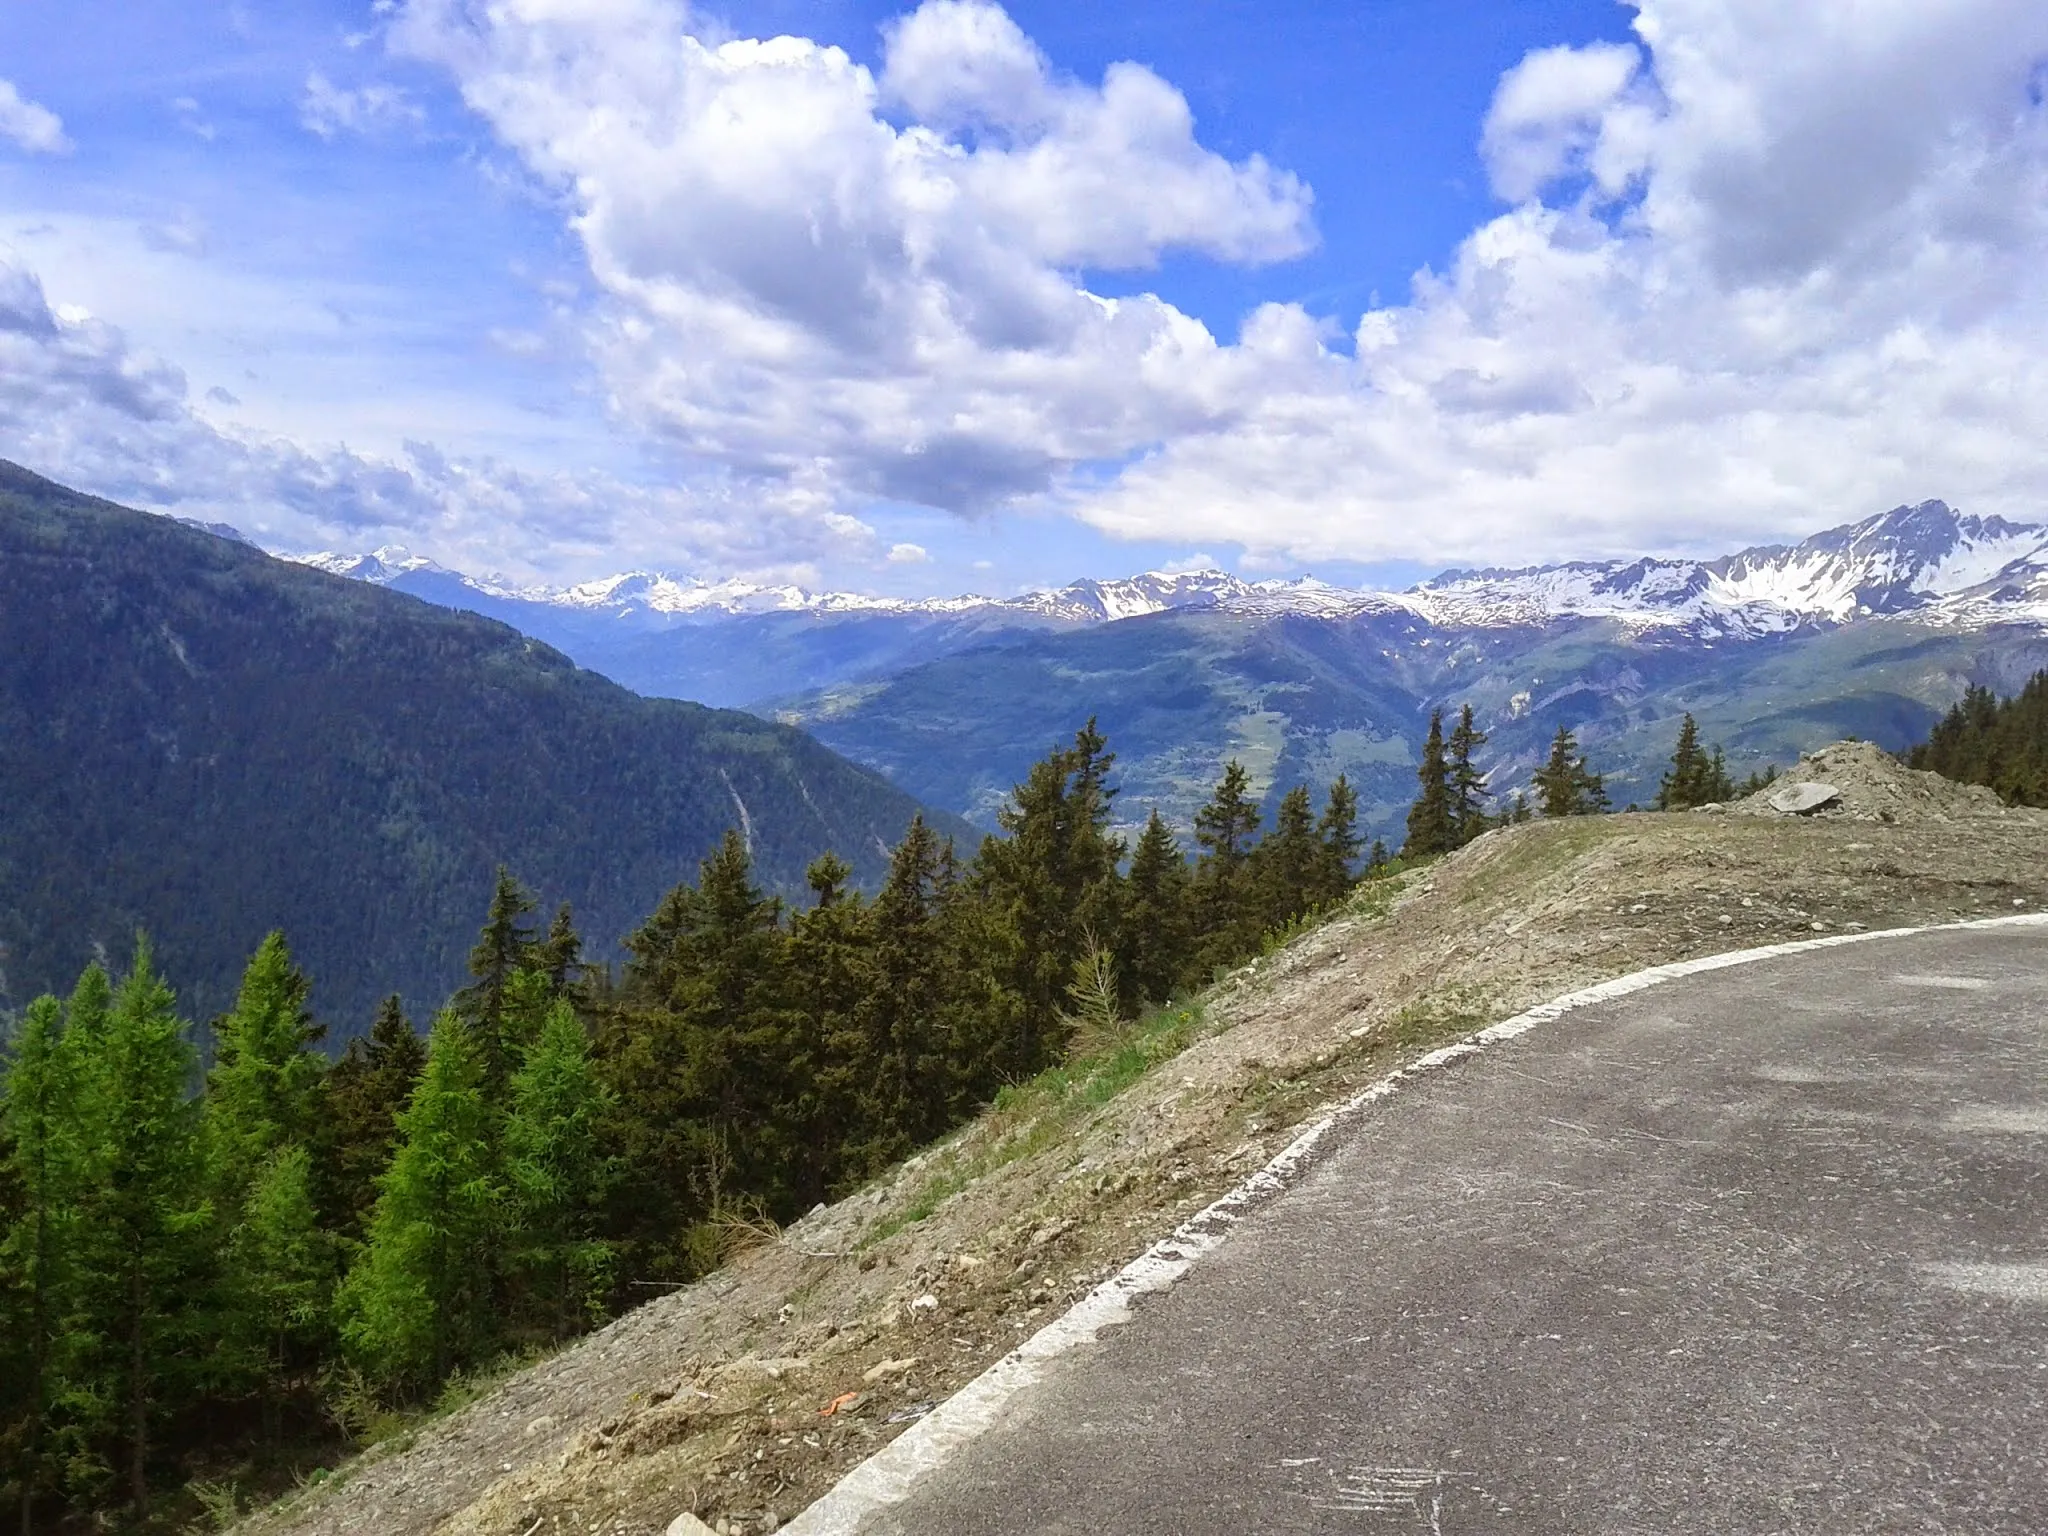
[745, 1396]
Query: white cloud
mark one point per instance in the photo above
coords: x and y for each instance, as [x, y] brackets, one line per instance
[28, 126]
[328, 110]
[796, 285]
[1793, 271]
[79, 403]
[1770, 267]
[908, 554]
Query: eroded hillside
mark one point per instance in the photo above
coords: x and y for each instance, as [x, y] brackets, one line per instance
[743, 1397]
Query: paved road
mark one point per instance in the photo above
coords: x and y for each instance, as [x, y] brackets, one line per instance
[1760, 1251]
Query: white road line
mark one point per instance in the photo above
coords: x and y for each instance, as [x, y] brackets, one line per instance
[892, 1473]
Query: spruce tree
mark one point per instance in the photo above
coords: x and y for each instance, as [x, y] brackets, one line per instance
[365, 1091]
[144, 1266]
[1054, 879]
[1287, 865]
[1467, 785]
[1687, 783]
[1226, 905]
[1339, 843]
[831, 973]
[558, 1175]
[1155, 955]
[417, 1301]
[1565, 786]
[504, 948]
[560, 956]
[1432, 828]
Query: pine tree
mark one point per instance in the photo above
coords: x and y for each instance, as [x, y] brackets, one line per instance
[366, 1090]
[1339, 843]
[1467, 785]
[1431, 827]
[144, 1270]
[38, 1132]
[1155, 954]
[1565, 786]
[417, 1301]
[558, 1176]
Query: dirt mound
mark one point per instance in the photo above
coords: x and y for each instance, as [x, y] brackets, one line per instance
[1870, 785]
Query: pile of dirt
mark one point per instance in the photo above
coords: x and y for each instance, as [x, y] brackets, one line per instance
[1870, 785]
[744, 1397]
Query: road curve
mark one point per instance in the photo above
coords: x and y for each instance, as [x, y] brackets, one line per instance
[1763, 1250]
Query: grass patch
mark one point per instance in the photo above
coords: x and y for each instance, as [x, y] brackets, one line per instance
[1028, 1117]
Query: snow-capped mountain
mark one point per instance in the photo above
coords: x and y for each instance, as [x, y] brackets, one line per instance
[1927, 561]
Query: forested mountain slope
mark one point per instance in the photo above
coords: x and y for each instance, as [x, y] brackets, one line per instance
[206, 742]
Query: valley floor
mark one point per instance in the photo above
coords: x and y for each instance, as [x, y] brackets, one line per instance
[745, 1396]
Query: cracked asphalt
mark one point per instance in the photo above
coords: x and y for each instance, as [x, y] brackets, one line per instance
[1762, 1250]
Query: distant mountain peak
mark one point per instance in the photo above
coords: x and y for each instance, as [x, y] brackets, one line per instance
[1926, 559]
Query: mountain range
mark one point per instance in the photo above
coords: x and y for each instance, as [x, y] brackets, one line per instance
[1871, 629]
[1928, 560]
[206, 743]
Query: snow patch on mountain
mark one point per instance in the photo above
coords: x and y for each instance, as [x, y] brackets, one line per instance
[1928, 560]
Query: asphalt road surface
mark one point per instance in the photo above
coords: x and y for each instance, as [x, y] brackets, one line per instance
[1763, 1250]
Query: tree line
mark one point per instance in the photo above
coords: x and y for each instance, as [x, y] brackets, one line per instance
[2000, 743]
[1451, 807]
[217, 1240]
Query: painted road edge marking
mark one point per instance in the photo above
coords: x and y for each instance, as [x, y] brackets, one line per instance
[889, 1476]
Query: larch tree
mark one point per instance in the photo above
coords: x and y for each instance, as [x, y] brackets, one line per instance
[417, 1301]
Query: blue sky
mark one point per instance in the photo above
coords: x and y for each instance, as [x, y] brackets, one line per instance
[563, 289]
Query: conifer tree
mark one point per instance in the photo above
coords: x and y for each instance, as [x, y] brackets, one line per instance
[282, 1264]
[1565, 786]
[504, 948]
[366, 1090]
[558, 1176]
[38, 1133]
[1431, 826]
[560, 956]
[1288, 863]
[417, 1301]
[1695, 777]
[1054, 880]
[1156, 953]
[264, 1090]
[1339, 844]
[1378, 860]
[911, 1079]
[143, 1268]
[1467, 785]
[1228, 915]
[831, 973]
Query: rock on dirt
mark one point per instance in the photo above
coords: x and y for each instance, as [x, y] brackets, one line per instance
[1869, 784]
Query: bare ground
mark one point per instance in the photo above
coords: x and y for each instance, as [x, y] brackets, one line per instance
[745, 1396]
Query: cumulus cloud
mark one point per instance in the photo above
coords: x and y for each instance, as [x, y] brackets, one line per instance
[908, 554]
[80, 403]
[798, 282]
[1763, 268]
[1790, 267]
[29, 126]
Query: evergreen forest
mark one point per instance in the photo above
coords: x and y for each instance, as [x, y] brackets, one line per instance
[2000, 743]
[227, 1253]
